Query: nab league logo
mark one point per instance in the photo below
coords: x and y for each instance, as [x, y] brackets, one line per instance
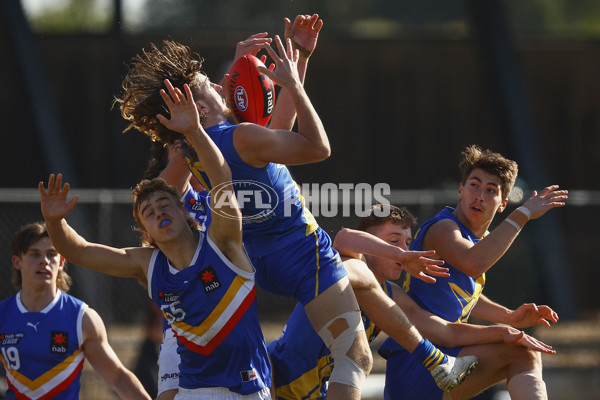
[210, 280]
[256, 200]
[59, 342]
[11, 338]
[169, 297]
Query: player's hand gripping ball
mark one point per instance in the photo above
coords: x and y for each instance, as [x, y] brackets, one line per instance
[250, 94]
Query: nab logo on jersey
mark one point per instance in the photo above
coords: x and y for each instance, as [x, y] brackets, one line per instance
[59, 342]
[209, 279]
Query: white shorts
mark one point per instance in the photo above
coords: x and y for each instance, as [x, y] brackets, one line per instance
[168, 363]
[220, 393]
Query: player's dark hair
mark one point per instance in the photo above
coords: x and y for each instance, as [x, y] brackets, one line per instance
[379, 214]
[23, 239]
[159, 158]
[141, 100]
[473, 157]
[145, 189]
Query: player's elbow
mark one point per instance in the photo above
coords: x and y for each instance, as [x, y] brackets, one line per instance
[472, 268]
[321, 152]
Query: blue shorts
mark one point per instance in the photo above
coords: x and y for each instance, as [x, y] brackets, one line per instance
[408, 379]
[301, 362]
[302, 270]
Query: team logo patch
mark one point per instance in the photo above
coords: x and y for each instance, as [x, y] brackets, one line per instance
[169, 297]
[197, 206]
[248, 376]
[11, 338]
[210, 280]
[59, 342]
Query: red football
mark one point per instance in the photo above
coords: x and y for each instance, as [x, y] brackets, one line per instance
[250, 94]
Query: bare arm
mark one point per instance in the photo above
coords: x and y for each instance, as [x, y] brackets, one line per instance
[303, 33]
[104, 360]
[226, 226]
[258, 145]
[475, 259]
[127, 262]
[455, 334]
[354, 243]
[527, 315]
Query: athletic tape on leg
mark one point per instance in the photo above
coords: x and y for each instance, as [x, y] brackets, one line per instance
[527, 385]
[345, 370]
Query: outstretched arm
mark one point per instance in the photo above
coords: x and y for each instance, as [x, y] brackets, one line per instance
[475, 259]
[456, 334]
[303, 33]
[226, 226]
[104, 360]
[128, 262]
[527, 315]
[258, 145]
[353, 243]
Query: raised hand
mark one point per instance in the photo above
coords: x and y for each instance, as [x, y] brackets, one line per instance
[530, 314]
[304, 33]
[251, 45]
[54, 202]
[285, 73]
[520, 338]
[418, 265]
[184, 114]
[548, 198]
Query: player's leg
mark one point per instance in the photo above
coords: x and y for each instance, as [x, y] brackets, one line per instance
[168, 367]
[313, 273]
[390, 318]
[335, 316]
[522, 367]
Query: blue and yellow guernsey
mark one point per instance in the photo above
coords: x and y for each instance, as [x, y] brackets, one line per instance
[451, 298]
[41, 351]
[273, 210]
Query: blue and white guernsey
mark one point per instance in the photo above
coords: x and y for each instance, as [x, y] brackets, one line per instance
[41, 351]
[211, 308]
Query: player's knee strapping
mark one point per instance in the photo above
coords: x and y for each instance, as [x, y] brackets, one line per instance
[345, 371]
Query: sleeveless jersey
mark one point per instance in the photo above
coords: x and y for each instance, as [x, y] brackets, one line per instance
[302, 364]
[451, 298]
[211, 308]
[272, 207]
[41, 351]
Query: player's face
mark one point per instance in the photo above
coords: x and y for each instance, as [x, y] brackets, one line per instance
[161, 216]
[479, 199]
[396, 235]
[40, 264]
[214, 96]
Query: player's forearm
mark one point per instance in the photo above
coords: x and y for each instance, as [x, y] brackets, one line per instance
[489, 310]
[67, 241]
[310, 125]
[210, 157]
[353, 243]
[284, 114]
[485, 253]
[128, 387]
